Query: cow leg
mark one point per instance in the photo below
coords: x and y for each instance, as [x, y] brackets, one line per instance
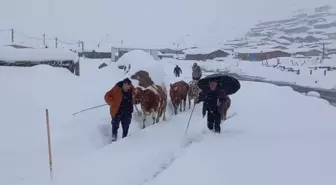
[136, 108]
[180, 104]
[158, 115]
[143, 122]
[175, 108]
[226, 108]
[153, 116]
[164, 114]
[189, 100]
[184, 104]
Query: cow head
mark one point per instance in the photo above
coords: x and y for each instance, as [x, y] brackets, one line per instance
[175, 96]
[143, 78]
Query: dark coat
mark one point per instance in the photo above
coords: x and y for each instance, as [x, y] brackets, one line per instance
[117, 99]
[177, 70]
[211, 99]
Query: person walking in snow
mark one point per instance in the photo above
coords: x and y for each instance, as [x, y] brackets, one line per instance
[196, 72]
[120, 99]
[177, 71]
[214, 104]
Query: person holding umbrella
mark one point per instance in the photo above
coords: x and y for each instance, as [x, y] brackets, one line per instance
[215, 89]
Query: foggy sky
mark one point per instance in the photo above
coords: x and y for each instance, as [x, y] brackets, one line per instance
[145, 22]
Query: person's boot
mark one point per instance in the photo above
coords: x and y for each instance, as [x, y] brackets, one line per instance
[124, 134]
[114, 136]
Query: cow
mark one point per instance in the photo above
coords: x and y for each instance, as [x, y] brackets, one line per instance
[153, 101]
[193, 91]
[178, 95]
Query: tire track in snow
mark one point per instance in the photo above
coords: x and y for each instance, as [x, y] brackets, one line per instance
[170, 157]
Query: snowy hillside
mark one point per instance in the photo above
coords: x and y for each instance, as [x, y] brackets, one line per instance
[302, 32]
[267, 141]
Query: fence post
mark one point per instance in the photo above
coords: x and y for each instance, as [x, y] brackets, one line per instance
[325, 72]
[311, 72]
[49, 144]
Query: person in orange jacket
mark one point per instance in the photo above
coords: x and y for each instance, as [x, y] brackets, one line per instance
[120, 99]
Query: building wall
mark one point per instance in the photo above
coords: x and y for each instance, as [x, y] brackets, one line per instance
[195, 57]
[262, 56]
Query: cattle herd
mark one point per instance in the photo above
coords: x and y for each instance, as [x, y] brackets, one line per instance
[153, 98]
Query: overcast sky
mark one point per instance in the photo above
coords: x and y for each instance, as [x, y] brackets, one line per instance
[145, 22]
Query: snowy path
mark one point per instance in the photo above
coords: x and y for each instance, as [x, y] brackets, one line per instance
[327, 94]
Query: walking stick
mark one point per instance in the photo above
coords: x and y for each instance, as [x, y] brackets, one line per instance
[89, 109]
[192, 111]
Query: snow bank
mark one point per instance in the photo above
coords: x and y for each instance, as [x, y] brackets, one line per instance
[24, 96]
[140, 60]
[10, 54]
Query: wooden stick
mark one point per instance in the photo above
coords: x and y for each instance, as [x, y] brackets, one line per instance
[49, 144]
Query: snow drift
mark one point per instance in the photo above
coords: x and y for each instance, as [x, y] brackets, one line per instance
[10, 54]
[142, 61]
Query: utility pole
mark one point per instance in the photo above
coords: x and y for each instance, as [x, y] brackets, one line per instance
[323, 50]
[56, 42]
[44, 39]
[82, 46]
[12, 35]
[121, 41]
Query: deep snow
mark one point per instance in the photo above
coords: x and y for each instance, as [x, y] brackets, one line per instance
[277, 136]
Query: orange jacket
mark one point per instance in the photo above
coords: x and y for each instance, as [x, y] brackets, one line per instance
[114, 96]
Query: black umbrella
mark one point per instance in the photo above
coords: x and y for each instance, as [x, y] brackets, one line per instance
[226, 83]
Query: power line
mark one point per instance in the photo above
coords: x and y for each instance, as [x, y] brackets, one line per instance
[5, 29]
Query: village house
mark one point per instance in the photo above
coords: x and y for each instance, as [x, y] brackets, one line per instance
[204, 54]
[307, 52]
[99, 52]
[260, 54]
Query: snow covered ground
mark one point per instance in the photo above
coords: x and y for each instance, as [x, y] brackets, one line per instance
[269, 140]
[316, 79]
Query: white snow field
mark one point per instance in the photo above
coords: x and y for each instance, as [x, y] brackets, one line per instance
[316, 79]
[276, 136]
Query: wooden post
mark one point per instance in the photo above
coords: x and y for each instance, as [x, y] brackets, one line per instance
[44, 39]
[325, 72]
[49, 144]
[12, 35]
[56, 42]
[311, 72]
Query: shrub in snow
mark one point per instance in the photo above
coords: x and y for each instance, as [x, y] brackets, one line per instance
[314, 94]
[102, 65]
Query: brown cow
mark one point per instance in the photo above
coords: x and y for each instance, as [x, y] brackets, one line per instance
[178, 95]
[193, 91]
[153, 101]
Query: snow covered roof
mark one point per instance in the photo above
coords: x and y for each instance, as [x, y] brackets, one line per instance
[254, 50]
[297, 50]
[283, 41]
[201, 51]
[10, 54]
